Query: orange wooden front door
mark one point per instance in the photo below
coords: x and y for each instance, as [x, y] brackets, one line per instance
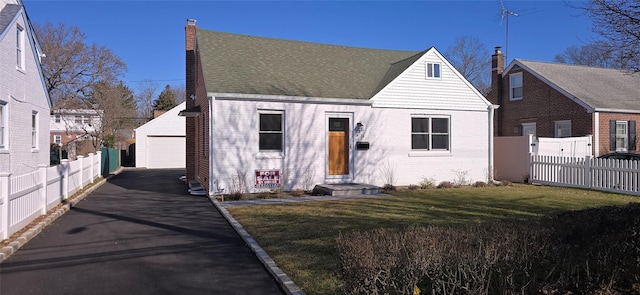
[338, 146]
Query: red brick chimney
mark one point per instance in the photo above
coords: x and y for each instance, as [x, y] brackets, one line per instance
[190, 89]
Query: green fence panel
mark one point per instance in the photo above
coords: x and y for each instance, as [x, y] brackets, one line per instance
[110, 160]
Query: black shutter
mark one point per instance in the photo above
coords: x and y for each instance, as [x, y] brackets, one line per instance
[632, 135]
[612, 135]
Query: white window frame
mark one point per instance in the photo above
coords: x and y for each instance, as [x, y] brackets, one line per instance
[57, 139]
[34, 130]
[433, 70]
[430, 134]
[20, 63]
[624, 137]
[78, 120]
[279, 152]
[3, 126]
[529, 126]
[562, 128]
[57, 118]
[515, 81]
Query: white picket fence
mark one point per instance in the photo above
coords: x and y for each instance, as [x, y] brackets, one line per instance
[25, 197]
[619, 176]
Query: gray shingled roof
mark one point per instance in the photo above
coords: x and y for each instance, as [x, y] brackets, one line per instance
[7, 15]
[257, 65]
[599, 88]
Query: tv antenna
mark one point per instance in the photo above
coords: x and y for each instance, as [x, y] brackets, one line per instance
[504, 15]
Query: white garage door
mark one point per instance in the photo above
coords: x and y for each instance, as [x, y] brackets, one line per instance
[166, 152]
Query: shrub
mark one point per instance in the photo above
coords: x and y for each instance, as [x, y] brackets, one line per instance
[389, 188]
[446, 184]
[480, 184]
[298, 193]
[426, 183]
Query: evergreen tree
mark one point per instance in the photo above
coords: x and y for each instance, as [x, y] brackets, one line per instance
[166, 100]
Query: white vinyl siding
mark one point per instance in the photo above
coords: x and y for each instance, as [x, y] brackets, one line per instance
[411, 90]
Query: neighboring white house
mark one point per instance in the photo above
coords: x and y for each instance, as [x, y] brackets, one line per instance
[160, 143]
[73, 124]
[267, 112]
[24, 101]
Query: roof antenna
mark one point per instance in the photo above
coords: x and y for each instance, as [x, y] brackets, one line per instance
[504, 15]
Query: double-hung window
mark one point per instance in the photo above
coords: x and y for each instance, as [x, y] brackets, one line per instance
[622, 136]
[433, 70]
[430, 133]
[515, 86]
[34, 130]
[20, 48]
[271, 134]
[57, 139]
[3, 125]
[562, 128]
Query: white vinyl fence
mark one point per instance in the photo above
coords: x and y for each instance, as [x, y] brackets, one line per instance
[619, 176]
[25, 197]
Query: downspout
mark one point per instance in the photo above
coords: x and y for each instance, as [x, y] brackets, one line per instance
[212, 181]
[492, 108]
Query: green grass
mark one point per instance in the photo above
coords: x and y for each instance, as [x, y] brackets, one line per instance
[300, 237]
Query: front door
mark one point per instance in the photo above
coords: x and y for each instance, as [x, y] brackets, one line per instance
[338, 146]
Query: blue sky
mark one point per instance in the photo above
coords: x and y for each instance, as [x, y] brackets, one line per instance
[149, 35]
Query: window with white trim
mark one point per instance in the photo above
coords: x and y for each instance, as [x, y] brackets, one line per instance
[78, 120]
[430, 133]
[622, 135]
[515, 86]
[433, 70]
[562, 128]
[3, 125]
[20, 48]
[271, 132]
[57, 118]
[57, 139]
[34, 130]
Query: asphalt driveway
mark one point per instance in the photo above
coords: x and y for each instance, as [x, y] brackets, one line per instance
[139, 233]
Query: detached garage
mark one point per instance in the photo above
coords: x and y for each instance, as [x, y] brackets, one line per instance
[160, 143]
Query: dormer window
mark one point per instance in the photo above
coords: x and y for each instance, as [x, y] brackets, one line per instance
[515, 86]
[433, 71]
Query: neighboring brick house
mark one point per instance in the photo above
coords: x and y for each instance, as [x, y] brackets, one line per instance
[24, 101]
[263, 111]
[561, 100]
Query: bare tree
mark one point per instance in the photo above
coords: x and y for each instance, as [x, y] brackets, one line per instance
[180, 92]
[472, 59]
[71, 66]
[116, 107]
[144, 98]
[597, 54]
[618, 22]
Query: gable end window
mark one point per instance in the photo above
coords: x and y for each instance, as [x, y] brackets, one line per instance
[515, 86]
[622, 136]
[433, 70]
[20, 48]
[271, 134]
[430, 133]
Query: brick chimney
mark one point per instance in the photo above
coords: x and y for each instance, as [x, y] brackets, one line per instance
[495, 95]
[190, 89]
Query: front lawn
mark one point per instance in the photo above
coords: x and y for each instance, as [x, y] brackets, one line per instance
[300, 237]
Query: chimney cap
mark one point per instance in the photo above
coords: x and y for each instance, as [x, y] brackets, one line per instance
[191, 22]
[498, 50]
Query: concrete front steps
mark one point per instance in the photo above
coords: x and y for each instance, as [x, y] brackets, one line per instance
[346, 189]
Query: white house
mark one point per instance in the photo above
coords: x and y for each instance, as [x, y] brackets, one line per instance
[267, 112]
[160, 143]
[74, 124]
[24, 101]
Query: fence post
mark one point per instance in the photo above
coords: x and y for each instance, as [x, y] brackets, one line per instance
[81, 181]
[91, 167]
[5, 190]
[588, 172]
[43, 188]
[65, 178]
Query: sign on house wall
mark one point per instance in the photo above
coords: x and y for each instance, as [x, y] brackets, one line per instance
[267, 178]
